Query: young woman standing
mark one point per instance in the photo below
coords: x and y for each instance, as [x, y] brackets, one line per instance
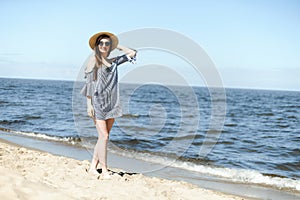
[102, 92]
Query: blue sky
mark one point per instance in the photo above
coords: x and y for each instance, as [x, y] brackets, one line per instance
[254, 44]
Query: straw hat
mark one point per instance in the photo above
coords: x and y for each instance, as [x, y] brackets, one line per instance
[114, 39]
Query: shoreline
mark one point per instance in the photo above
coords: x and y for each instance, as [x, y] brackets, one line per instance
[135, 165]
[32, 174]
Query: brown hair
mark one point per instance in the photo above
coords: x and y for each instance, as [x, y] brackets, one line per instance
[98, 54]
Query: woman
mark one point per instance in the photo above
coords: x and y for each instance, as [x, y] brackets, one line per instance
[101, 90]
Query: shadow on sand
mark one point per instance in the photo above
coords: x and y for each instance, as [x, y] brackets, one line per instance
[119, 173]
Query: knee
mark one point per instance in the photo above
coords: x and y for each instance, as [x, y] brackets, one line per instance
[104, 136]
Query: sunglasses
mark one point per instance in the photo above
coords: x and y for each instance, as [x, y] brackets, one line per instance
[104, 43]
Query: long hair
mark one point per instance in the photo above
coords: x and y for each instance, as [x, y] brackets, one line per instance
[98, 55]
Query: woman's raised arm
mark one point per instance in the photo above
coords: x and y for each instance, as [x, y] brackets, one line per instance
[129, 52]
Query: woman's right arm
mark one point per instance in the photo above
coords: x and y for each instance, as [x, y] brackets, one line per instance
[87, 91]
[90, 108]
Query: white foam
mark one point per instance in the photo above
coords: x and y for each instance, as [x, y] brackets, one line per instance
[230, 174]
[242, 176]
[46, 137]
[235, 175]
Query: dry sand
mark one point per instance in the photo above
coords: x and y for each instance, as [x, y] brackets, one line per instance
[32, 174]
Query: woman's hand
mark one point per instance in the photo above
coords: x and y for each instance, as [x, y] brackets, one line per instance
[90, 108]
[129, 52]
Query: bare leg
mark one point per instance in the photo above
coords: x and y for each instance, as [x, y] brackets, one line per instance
[100, 150]
[95, 160]
[103, 128]
[109, 124]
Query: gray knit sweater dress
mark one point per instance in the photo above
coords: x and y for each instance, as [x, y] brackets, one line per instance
[105, 91]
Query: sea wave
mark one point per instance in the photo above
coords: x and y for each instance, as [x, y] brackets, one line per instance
[10, 122]
[130, 115]
[245, 176]
[66, 139]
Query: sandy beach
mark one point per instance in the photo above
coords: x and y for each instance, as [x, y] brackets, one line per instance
[32, 174]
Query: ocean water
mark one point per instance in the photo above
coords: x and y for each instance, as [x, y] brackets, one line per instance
[259, 142]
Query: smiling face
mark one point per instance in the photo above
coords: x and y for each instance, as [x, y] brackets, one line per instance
[104, 45]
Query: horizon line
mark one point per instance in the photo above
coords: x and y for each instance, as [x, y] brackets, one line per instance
[225, 87]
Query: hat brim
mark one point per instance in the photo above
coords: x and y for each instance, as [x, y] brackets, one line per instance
[114, 40]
